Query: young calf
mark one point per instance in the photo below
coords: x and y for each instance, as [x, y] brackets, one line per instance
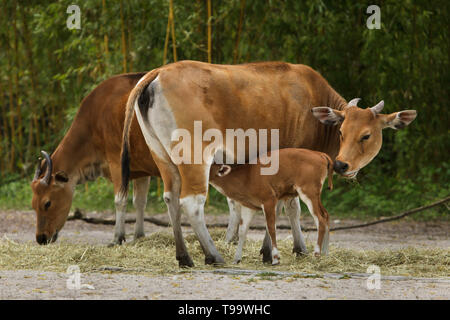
[301, 173]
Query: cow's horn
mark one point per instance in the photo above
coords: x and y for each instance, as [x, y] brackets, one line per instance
[377, 108]
[353, 102]
[37, 172]
[48, 172]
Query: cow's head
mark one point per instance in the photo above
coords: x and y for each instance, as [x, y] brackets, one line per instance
[52, 198]
[360, 132]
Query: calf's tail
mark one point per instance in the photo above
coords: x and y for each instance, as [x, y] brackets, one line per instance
[330, 171]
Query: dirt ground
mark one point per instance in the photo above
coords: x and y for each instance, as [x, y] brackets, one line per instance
[26, 284]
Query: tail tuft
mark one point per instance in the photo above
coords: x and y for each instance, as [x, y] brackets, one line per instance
[125, 162]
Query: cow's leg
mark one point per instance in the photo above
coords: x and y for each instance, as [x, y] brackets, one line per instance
[269, 209]
[140, 191]
[293, 210]
[266, 249]
[119, 228]
[244, 224]
[120, 203]
[233, 223]
[312, 200]
[172, 185]
[157, 127]
[194, 186]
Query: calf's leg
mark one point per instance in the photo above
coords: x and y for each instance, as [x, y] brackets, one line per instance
[244, 224]
[233, 222]
[266, 248]
[312, 200]
[269, 209]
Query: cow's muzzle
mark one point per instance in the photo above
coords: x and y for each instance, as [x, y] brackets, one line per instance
[42, 239]
[340, 167]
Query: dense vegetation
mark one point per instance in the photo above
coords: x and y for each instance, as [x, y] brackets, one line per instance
[46, 69]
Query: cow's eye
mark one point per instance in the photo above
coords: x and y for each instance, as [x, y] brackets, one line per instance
[366, 137]
[47, 205]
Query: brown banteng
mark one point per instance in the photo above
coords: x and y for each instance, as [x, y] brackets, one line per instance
[91, 148]
[301, 173]
[255, 96]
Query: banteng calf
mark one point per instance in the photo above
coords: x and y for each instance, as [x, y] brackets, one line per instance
[301, 173]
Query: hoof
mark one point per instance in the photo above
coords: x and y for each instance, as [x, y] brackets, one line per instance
[267, 255]
[237, 261]
[185, 262]
[139, 235]
[214, 260]
[117, 241]
[300, 251]
[276, 261]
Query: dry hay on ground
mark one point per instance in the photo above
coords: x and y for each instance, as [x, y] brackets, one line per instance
[155, 255]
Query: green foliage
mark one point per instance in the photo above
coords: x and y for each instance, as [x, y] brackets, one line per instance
[46, 70]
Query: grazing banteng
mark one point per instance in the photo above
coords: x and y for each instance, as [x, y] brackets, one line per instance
[301, 173]
[271, 95]
[91, 148]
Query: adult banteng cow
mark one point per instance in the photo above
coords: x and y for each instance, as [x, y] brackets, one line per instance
[91, 148]
[269, 95]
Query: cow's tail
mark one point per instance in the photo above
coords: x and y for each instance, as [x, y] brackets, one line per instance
[330, 171]
[129, 112]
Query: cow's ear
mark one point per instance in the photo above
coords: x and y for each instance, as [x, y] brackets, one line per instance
[327, 115]
[61, 178]
[224, 170]
[398, 120]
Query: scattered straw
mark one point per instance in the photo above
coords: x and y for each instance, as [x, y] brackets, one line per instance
[155, 255]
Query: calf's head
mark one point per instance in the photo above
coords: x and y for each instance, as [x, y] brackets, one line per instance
[360, 132]
[52, 198]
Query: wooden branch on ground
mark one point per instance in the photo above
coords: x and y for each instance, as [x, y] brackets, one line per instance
[79, 216]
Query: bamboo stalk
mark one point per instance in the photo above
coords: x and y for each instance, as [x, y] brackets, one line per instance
[124, 43]
[4, 136]
[105, 36]
[238, 36]
[16, 84]
[209, 30]
[166, 42]
[34, 124]
[12, 126]
[174, 43]
[130, 64]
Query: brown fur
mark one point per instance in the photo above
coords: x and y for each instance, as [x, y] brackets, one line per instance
[299, 168]
[93, 141]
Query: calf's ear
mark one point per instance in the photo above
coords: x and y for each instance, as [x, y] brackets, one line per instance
[327, 115]
[224, 170]
[398, 120]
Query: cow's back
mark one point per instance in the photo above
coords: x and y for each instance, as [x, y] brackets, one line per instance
[266, 95]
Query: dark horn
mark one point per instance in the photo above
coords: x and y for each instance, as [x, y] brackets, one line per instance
[37, 173]
[48, 172]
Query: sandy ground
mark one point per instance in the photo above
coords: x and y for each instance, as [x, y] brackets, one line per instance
[26, 284]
